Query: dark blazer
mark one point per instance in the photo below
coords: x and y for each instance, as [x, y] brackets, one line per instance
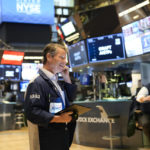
[40, 93]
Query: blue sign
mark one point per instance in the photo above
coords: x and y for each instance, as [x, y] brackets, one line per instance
[28, 11]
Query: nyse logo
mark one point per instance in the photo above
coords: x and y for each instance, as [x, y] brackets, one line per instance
[102, 119]
[28, 6]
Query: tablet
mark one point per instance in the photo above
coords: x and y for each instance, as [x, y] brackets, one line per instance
[75, 108]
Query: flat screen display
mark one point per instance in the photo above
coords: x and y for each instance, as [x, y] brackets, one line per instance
[11, 72]
[23, 86]
[106, 48]
[132, 37]
[28, 11]
[68, 28]
[30, 70]
[144, 25]
[85, 79]
[77, 54]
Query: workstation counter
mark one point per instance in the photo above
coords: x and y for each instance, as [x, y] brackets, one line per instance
[6, 115]
[94, 125]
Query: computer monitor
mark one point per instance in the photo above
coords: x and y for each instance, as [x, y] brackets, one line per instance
[11, 72]
[78, 54]
[137, 37]
[23, 85]
[29, 70]
[106, 48]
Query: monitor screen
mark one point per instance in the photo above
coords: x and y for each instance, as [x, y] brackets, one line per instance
[68, 28]
[106, 48]
[28, 11]
[30, 70]
[85, 79]
[144, 25]
[132, 37]
[11, 72]
[23, 86]
[77, 54]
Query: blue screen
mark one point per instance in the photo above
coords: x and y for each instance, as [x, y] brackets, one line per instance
[106, 48]
[28, 11]
[85, 79]
[11, 72]
[23, 86]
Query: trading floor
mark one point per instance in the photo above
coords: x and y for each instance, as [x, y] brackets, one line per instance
[18, 140]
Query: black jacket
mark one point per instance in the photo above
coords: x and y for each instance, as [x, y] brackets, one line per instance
[40, 93]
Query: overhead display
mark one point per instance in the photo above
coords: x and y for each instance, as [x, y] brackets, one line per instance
[68, 30]
[23, 86]
[132, 37]
[144, 25]
[10, 72]
[137, 37]
[77, 54]
[106, 48]
[28, 11]
[30, 70]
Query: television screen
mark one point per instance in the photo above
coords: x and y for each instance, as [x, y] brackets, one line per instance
[85, 79]
[28, 11]
[29, 70]
[77, 54]
[23, 86]
[68, 30]
[105, 48]
[144, 25]
[132, 37]
[12, 72]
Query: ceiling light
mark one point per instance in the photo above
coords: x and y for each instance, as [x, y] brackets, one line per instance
[135, 17]
[33, 57]
[134, 8]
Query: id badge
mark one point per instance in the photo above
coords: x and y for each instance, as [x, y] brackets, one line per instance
[55, 107]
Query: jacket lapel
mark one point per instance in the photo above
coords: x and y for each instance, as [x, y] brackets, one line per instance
[49, 82]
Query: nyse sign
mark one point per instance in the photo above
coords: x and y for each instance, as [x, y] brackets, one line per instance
[94, 120]
[28, 6]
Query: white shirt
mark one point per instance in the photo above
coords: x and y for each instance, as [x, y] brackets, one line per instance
[142, 93]
[54, 79]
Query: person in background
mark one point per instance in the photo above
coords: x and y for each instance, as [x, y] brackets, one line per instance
[44, 97]
[143, 97]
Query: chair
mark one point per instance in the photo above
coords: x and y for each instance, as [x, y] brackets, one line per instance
[111, 119]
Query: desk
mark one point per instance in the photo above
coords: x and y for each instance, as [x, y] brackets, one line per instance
[92, 126]
[6, 115]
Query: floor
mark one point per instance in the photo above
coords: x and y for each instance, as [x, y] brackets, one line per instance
[18, 140]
